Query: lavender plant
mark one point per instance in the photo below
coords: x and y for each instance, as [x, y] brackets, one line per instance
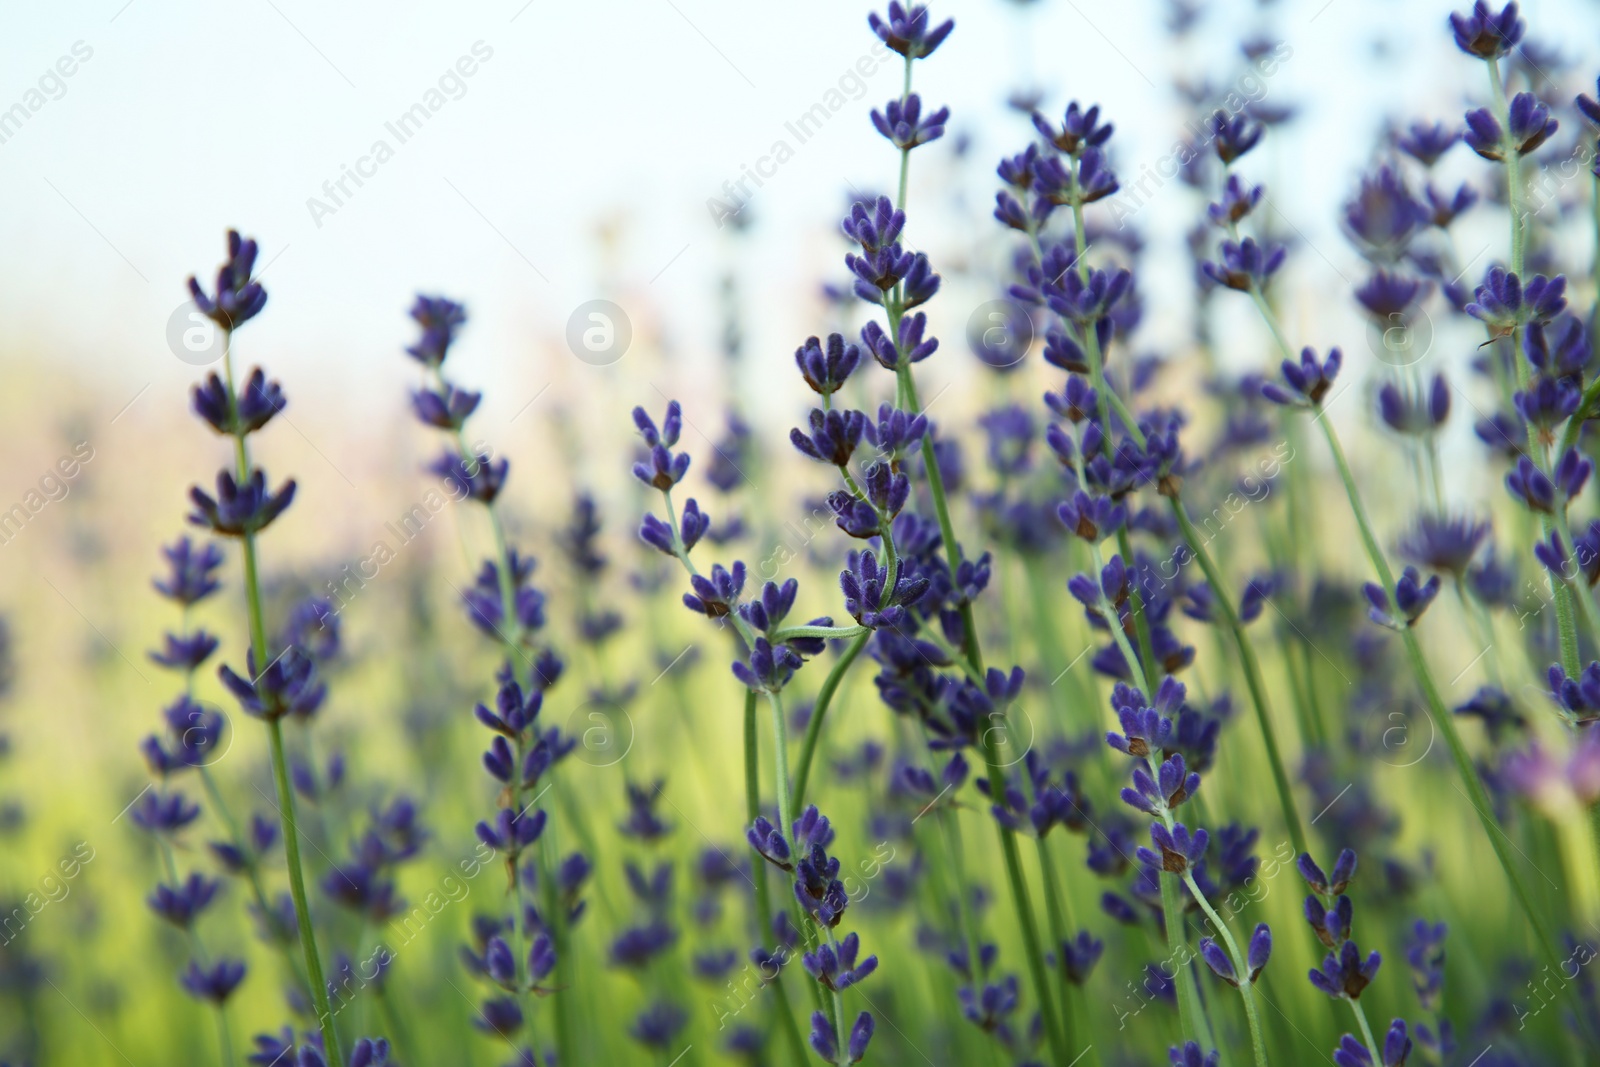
[504, 605]
[1161, 512]
[275, 683]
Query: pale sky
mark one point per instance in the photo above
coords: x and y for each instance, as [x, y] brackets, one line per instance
[189, 117]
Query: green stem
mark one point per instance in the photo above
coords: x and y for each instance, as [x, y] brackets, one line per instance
[1146, 663]
[789, 633]
[1108, 399]
[1512, 165]
[1564, 595]
[512, 637]
[252, 872]
[1191, 1016]
[518, 954]
[280, 769]
[1024, 909]
[752, 805]
[905, 158]
[224, 1035]
[840, 1021]
[780, 763]
[1252, 674]
[752, 783]
[1049, 644]
[830, 686]
[1442, 718]
[1241, 965]
[297, 890]
[1172, 913]
[907, 393]
[752, 763]
[1366, 1029]
[941, 509]
[1058, 933]
[402, 1035]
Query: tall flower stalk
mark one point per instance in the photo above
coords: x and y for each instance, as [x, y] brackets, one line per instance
[190, 743]
[770, 654]
[899, 282]
[507, 608]
[273, 685]
[1399, 604]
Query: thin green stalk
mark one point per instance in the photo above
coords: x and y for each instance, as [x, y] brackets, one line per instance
[752, 768]
[1058, 915]
[252, 871]
[1191, 1015]
[1366, 1029]
[752, 804]
[518, 952]
[1594, 836]
[1108, 399]
[513, 643]
[224, 1035]
[955, 859]
[1241, 965]
[1298, 685]
[280, 771]
[297, 890]
[1049, 644]
[780, 763]
[1564, 594]
[828, 633]
[1252, 674]
[907, 394]
[905, 153]
[955, 847]
[1172, 916]
[402, 1035]
[840, 1022]
[1442, 718]
[830, 686]
[1059, 912]
[1513, 169]
[1024, 909]
[1146, 663]
[1594, 323]
[941, 509]
[752, 776]
[1483, 628]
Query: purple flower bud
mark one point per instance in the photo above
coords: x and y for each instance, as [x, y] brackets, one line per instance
[1426, 143]
[1079, 129]
[217, 982]
[236, 299]
[1260, 950]
[440, 320]
[826, 369]
[1218, 961]
[905, 126]
[909, 31]
[1189, 1056]
[1485, 34]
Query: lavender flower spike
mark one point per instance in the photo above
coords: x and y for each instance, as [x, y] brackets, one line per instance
[1486, 34]
[1308, 381]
